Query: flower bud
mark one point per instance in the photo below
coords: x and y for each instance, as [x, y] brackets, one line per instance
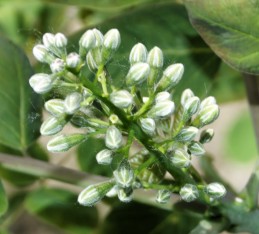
[189, 192]
[207, 115]
[88, 40]
[125, 194]
[113, 138]
[206, 135]
[60, 40]
[55, 107]
[73, 60]
[148, 125]
[215, 190]
[137, 74]
[138, 54]
[121, 98]
[41, 83]
[180, 158]
[171, 77]
[207, 102]
[190, 107]
[187, 93]
[112, 39]
[63, 143]
[104, 157]
[72, 103]
[162, 96]
[196, 148]
[48, 40]
[155, 58]
[124, 175]
[162, 109]
[91, 62]
[163, 196]
[113, 191]
[187, 134]
[42, 54]
[114, 119]
[98, 37]
[94, 193]
[52, 125]
[57, 65]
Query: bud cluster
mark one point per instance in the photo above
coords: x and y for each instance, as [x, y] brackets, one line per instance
[123, 116]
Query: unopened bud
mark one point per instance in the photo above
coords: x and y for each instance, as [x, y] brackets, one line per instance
[98, 37]
[55, 107]
[114, 119]
[138, 54]
[207, 115]
[162, 109]
[180, 158]
[48, 40]
[72, 102]
[155, 58]
[104, 157]
[207, 102]
[163, 196]
[206, 135]
[60, 40]
[113, 191]
[73, 60]
[137, 74]
[189, 192]
[187, 134]
[196, 148]
[91, 62]
[125, 194]
[215, 190]
[190, 107]
[148, 125]
[41, 83]
[57, 65]
[121, 98]
[171, 77]
[186, 95]
[162, 96]
[112, 39]
[88, 40]
[113, 138]
[124, 174]
[94, 193]
[42, 54]
[52, 125]
[63, 143]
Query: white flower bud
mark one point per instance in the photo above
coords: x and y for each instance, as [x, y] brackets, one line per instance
[162, 96]
[98, 37]
[138, 54]
[207, 115]
[124, 175]
[121, 98]
[94, 193]
[186, 95]
[48, 40]
[125, 194]
[114, 119]
[113, 138]
[207, 102]
[42, 54]
[73, 60]
[148, 125]
[163, 196]
[41, 83]
[55, 107]
[52, 125]
[187, 134]
[145, 99]
[63, 143]
[190, 107]
[104, 157]
[171, 77]
[137, 74]
[189, 192]
[206, 135]
[60, 40]
[72, 102]
[180, 158]
[112, 39]
[88, 40]
[196, 148]
[113, 191]
[215, 190]
[162, 109]
[57, 65]
[91, 62]
[155, 58]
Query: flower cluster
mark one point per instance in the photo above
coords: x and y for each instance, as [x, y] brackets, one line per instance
[166, 134]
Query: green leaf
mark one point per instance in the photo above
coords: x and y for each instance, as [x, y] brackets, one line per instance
[59, 208]
[3, 200]
[19, 107]
[230, 28]
[209, 227]
[86, 157]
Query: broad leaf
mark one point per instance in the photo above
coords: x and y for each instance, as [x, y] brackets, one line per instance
[230, 28]
[59, 207]
[19, 107]
[3, 200]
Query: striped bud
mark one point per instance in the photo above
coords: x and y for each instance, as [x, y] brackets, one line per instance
[206, 135]
[48, 40]
[57, 65]
[121, 98]
[124, 175]
[187, 134]
[125, 194]
[163, 196]
[63, 143]
[162, 109]
[41, 83]
[180, 158]
[94, 193]
[42, 54]
[91, 62]
[138, 54]
[189, 192]
[113, 138]
[186, 95]
[98, 37]
[207, 102]
[215, 190]
[190, 107]
[207, 115]
[137, 74]
[55, 107]
[104, 157]
[196, 148]
[155, 58]
[52, 125]
[171, 77]
[113, 191]
[88, 40]
[60, 40]
[112, 39]
[73, 60]
[162, 96]
[148, 125]
[72, 102]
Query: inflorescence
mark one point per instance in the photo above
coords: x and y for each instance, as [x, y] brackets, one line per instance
[165, 135]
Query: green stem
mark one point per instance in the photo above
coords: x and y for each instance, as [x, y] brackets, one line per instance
[146, 164]
[144, 107]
